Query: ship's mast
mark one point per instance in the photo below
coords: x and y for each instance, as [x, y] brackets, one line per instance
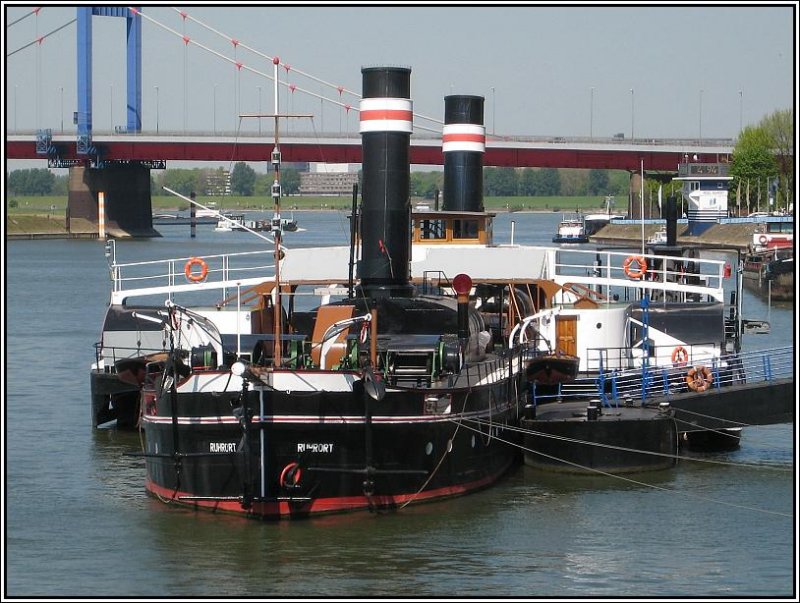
[277, 355]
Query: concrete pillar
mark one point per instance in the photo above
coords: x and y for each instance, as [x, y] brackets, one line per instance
[128, 206]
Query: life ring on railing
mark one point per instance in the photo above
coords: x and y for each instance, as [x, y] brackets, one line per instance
[763, 239]
[364, 334]
[680, 356]
[699, 378]
[290, 476]
[635, 273]
[198, 277]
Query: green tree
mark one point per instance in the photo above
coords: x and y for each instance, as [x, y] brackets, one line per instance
[182, 181]
[425, 184]
[548, 182]
[60, 186]
[243, 179]
[263, 185]
[36, 181]
[500, 182]
[619, 183]
[290, 181]
[574, 182]
[598, 182]
[754, 161]
[527, 182]
[779, 126]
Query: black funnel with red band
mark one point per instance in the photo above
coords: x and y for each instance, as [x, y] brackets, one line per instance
[463, 145]
[386, 126]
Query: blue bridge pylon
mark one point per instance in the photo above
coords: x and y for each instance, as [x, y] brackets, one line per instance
[134, 70]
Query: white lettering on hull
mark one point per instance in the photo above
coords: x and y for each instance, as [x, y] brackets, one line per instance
[315, 447]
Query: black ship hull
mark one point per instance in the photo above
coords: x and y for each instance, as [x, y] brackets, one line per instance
[569, 438]
[114, 400]
[305, 454]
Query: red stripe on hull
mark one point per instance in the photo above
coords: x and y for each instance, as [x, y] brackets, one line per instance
[320, 506]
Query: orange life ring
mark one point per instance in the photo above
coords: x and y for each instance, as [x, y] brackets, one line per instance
[680, 356]
[699, 378]
[635, 273]
[191, 275]
[290, 476]
[762, 239]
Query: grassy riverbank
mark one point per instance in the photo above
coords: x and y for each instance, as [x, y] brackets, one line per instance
[55, 207]
[45, 217]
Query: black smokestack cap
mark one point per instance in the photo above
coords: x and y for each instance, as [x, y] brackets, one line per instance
[463, 144]
[386, 126]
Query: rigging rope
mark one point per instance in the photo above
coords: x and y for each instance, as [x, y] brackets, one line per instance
[639, 483]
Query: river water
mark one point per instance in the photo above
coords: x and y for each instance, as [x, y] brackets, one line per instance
[78, 521]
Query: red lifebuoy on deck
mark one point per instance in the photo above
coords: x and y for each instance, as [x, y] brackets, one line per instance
[699, 378]
[635, 273]
[196, 277]
[680, 356]
[763, 239]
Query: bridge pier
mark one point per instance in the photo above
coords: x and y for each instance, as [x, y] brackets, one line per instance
[128, 206]
[634, 199]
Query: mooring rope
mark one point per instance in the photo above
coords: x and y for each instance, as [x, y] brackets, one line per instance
[639, 483]
[644, 452]
[447, 450]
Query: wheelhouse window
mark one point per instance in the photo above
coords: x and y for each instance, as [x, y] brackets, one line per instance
[465, 229]
[432, 230]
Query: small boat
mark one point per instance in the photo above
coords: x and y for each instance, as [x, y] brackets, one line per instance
[571, 229]
[289, 224]
[770, 273]
[773, 233]
[552, 369]
[180, 218]
[592, 223]
[659, 237]
[230, 222]
[779, 278]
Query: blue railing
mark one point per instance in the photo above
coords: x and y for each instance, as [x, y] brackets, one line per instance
[615, 386]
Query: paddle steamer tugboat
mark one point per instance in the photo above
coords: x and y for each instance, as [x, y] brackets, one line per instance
[408, 379]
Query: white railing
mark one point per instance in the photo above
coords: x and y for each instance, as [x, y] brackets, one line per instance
[607, 269]
[171, 276]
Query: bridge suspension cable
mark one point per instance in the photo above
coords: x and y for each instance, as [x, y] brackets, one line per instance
[240, 65]
[40, 39]
[35, 11]
[235, 42]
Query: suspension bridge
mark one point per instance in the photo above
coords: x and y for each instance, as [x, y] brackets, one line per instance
[116, 159]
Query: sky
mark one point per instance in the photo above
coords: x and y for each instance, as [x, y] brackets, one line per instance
[573, 70]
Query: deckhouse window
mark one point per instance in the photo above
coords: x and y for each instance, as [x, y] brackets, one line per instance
[465, 229]
[432, 230]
